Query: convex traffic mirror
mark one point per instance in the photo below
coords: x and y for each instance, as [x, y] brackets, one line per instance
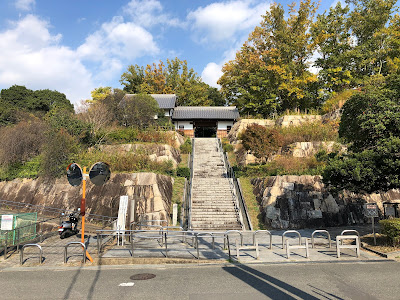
[99, 174]
[74, 174]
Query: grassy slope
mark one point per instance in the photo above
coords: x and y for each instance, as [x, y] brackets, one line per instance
[252, 204]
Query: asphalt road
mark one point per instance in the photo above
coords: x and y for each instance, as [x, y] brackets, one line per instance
[358, 280]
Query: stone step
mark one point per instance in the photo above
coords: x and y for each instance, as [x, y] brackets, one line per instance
[214, 222]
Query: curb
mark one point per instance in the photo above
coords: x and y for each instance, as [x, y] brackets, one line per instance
[390, 255]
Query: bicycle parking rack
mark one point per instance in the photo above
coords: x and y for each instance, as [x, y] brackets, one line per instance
[75, 243]
[232, 231]
[321, 231]
[21, 257]
[253, 247]
[288, 232]
[262, 231]
[206, 235]
[339, 243]
[351, 231]
[300, 246]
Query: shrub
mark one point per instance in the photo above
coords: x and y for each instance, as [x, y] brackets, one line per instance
[57, 153]
[391, 228]
[282, 165]
[126, 162]
[310, 132]
[21, 142]
[183, 172]
[261, 141]
[134, 135]
[186, 147]
[226, 146]
[29, 169]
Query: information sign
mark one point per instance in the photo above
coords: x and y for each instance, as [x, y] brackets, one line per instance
[7, 222]
[371, 210]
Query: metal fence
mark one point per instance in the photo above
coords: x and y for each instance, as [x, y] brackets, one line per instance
[23, 229]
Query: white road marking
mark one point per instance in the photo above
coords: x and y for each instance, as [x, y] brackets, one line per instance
[126, 284]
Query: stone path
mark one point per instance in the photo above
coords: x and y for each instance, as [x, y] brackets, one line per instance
[212, 194]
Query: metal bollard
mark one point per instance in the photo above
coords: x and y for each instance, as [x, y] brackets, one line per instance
[30, 245]
[75, 243]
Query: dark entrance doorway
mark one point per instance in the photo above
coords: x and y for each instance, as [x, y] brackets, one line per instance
[205, 128]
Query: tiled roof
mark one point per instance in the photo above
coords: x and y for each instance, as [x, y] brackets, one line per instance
[165, 101]
[205, 112]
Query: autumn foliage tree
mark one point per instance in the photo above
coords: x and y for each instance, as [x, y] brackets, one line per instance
[173, 78]
[270, 73]
[261, 141]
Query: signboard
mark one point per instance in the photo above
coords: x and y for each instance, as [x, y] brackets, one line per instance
[123, 208]
[371, 210]
[7, 222]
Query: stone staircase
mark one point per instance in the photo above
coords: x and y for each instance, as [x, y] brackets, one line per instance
[213, 205]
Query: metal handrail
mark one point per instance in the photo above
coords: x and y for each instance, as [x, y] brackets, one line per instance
[189, 215]
[30, 245]
[75, 243]
[239, 202]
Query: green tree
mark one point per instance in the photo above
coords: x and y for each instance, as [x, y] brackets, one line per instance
[371, 124]
[139, 111]
[271, 71]
[174, 77]
[331, 34]
[16, 95]
[368, 24]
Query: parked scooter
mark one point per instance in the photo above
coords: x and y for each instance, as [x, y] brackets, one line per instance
[70, 227]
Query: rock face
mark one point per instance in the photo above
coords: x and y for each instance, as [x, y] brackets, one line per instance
[155, 152]
[299, 149]
[302, 201]
[307, 149]
[151, 192]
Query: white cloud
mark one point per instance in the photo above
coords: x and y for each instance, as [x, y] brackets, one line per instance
[148, 13]
[223, 21]
[113, 42]
[25, 5]
[30, 56]
[116, 38]
[211, 73]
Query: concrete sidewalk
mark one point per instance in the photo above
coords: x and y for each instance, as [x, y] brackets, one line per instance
[53, 250]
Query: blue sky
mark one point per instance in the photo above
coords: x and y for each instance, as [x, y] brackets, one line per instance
[74, 46]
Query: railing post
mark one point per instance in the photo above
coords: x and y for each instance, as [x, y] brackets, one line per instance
[166, 247]
[5, 245]
[197, 246]
[132, 242]
[18, 239]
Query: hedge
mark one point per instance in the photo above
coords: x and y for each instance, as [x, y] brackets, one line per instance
[391, 228]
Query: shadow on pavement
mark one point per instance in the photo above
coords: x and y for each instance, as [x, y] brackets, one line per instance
[268, 285]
